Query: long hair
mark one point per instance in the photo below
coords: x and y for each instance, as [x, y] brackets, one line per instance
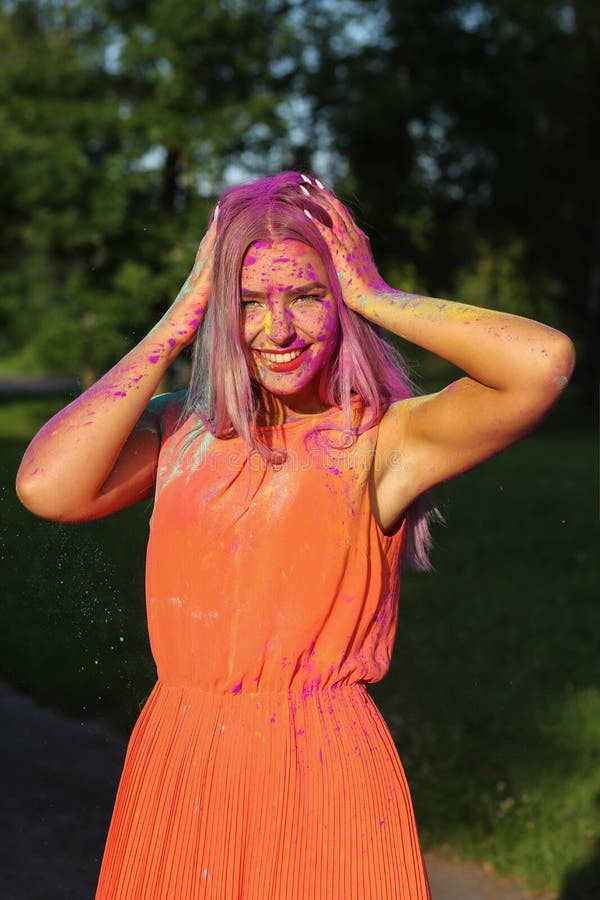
[365, 365]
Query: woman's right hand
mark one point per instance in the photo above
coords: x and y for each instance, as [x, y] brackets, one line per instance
[183, 317]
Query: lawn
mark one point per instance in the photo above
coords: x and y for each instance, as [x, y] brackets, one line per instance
[493, 696]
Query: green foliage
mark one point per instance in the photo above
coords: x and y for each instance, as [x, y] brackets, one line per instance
[468, 132]
[496, 280]
[118, 123]
[470, 124]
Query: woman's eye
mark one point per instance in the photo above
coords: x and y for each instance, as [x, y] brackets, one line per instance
[309, 297]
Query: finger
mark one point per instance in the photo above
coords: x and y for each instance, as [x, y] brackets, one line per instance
[204, 254]
[334, 223]
[327, 200]
[334, 231]
[337, 212]
[335, 242]
[341, 212]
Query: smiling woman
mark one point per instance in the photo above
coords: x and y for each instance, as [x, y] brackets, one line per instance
[273, 275]
[290, 328]
[286, 481]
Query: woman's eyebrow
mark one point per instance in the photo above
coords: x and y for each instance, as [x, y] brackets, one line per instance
[305, 288]
[297, 289]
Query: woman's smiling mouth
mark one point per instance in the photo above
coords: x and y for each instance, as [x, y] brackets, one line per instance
[284, 361]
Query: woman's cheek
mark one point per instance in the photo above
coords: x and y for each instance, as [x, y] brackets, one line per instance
[251, 325]
[329, 327]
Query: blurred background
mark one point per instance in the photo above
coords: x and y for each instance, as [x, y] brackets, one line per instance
[465, 137]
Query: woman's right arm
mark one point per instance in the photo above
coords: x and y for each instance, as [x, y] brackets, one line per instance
[100, 453]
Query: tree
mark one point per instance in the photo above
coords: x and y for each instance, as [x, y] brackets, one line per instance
[475, 127]
[120, 122]
[469, 131]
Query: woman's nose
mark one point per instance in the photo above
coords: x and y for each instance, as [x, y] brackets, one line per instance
[279, 324]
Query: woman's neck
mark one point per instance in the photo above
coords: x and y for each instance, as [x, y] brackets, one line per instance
[273, 411]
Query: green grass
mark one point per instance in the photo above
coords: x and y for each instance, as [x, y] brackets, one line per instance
[493, 696]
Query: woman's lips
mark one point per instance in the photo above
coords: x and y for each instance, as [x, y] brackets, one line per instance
[282, 366]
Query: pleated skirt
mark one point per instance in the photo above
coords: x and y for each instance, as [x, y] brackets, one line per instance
[264, 796]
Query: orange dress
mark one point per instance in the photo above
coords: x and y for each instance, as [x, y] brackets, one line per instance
[260, 768]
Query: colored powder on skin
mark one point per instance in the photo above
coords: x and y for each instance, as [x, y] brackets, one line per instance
[172, 342]
[156, 358]
[119, 393]
[236, 688]
[268, 322]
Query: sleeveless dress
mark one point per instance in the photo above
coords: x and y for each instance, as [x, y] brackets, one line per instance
[260, 768]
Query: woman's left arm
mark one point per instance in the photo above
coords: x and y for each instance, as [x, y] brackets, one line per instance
[516, 367]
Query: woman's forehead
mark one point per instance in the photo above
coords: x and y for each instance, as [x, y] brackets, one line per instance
[267, 261]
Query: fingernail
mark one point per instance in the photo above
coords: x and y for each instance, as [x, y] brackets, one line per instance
[216, 213]
[304, 178]
[306, 213]
[304, 191]
[318, 183]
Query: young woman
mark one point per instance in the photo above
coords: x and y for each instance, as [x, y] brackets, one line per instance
[287, 480]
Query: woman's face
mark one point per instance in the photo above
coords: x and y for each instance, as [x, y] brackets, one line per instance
[290, 323]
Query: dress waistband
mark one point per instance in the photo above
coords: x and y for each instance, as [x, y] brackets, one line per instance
[239, 692]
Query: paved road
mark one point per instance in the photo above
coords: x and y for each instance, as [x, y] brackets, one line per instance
[59, 778]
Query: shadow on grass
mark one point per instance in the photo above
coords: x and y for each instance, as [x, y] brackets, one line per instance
[73, 616]
[583, 882]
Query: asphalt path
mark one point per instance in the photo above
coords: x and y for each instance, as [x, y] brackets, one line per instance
[59, 778]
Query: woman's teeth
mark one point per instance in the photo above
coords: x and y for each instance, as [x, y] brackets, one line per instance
[282, 357]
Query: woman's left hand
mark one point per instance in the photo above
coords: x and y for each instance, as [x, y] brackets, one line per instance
[350, 250]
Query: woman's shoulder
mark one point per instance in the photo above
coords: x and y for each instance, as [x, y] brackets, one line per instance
[166, 410]
[161, 404]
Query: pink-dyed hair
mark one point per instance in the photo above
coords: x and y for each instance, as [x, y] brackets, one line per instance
[365, 365]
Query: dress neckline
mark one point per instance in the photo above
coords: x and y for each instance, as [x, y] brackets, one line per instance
[356, 403]
[300, 421]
